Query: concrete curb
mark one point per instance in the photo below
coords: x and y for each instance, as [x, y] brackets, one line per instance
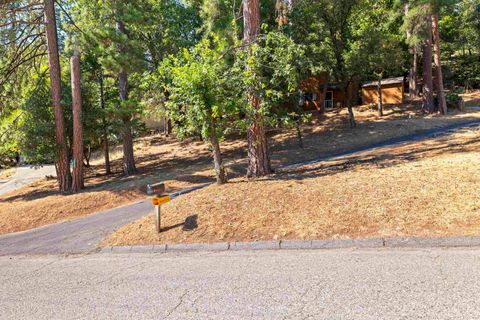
[371, 243]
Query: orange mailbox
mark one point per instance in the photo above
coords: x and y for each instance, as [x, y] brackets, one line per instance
[158, 201]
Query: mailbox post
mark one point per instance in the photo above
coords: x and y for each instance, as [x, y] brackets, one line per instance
[159, 198]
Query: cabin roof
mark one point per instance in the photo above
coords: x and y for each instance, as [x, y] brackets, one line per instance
[384, 82]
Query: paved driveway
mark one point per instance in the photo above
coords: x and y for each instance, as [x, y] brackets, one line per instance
[79, 235]
[383, 284]
[26, 175]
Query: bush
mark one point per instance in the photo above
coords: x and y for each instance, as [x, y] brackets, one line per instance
[453, 100]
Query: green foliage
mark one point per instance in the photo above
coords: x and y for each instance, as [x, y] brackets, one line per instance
[9, 135]
[37, 141]
[349, 39]
[272, 70]
[186, 60]
[453, 100]
[201, 97]
[464, 71]
[376, 44]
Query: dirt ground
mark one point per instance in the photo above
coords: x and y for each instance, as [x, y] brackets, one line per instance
[428, 188]
[6, 173]
[472, 98]
[187, 163]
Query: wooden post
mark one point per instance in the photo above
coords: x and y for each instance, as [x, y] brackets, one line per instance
[158, 218]
[77, 174]
[379, 97]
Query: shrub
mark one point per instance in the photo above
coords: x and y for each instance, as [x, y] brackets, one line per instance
[453, 100]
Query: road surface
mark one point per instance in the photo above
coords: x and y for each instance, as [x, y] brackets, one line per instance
[25, 175]
[375, 284]
[76, 236]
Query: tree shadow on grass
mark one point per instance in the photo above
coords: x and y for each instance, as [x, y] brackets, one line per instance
[319, 141]
[383, 160]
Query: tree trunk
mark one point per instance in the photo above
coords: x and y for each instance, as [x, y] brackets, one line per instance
[77, 176]
[379, 97]
[351, 115]
[442, 104]
[168, 126]
[106, 152]
[299, 134]
[87, 154]
[427, 99]
[412, 76]
[106, 148]
[258, 159]
[61, 163]
[217, 159]
[128, 154]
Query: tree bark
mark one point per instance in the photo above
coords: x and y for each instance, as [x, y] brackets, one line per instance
[379, 97]
[168, 126]
[61, 163]
[217, 159]
[442, 104]
[77, 173]
[87, 154]
[299, 134]
[412, 76]
[106, 148]
[128, 154]
[351, 115]
[427, 99]
[258, 159]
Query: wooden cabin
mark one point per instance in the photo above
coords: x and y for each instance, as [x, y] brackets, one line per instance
[321, 95]
[393, 90]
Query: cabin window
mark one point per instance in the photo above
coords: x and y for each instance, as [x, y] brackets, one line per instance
[329, 100]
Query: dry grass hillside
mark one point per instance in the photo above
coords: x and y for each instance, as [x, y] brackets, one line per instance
[183, 164]
[428, 188]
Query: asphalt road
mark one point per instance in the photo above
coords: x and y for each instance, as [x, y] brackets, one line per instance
[380, 284]
[26, 175]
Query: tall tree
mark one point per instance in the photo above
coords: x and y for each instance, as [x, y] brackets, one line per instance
[413, 50]
[62, 161]
[258, 157]
[442, 104]
[127, 137]
[427, 98]
[326, 27]
[376, 51]
[77, 174]
[198, 80]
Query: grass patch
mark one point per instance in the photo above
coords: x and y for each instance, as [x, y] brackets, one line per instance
[7, 173]
[187, 163]
[427, 188]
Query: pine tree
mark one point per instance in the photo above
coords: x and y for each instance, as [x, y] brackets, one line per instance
[62, 161]
[258, 157]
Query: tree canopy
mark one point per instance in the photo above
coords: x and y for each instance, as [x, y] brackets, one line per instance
[188, 63]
